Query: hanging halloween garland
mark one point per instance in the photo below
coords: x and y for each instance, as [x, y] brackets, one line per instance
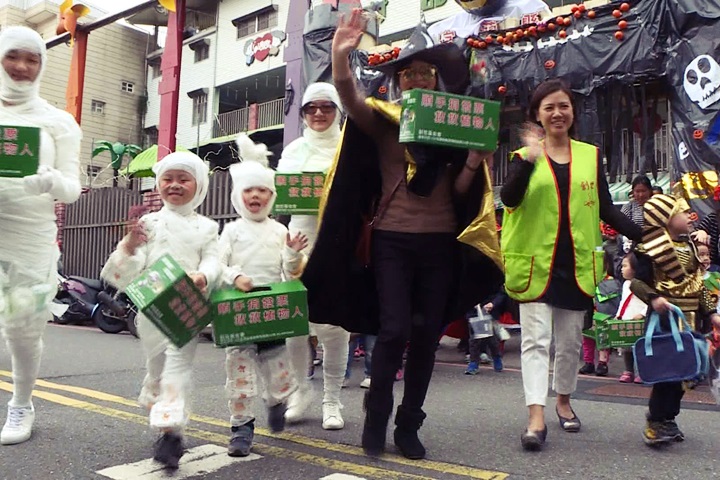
[552, 27]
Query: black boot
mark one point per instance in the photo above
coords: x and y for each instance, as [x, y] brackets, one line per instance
[408, 423]
[374, 430]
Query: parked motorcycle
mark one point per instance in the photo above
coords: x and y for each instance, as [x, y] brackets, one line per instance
[88, 299]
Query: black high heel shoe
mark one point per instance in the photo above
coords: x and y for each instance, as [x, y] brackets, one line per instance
[533, 440]
[571, 425]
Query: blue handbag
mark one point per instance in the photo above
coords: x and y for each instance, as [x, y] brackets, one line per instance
[670, 357]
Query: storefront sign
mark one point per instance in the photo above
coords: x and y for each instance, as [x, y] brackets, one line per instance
[261, 47]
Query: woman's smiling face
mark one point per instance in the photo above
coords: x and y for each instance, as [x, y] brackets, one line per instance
[555, 113]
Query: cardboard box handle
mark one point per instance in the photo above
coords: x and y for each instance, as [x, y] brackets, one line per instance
[260, 289]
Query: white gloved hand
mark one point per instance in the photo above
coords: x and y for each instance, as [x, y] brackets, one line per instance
[41, 182]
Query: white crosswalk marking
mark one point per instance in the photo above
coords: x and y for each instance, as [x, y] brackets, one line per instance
[204, 459]
[341, 476]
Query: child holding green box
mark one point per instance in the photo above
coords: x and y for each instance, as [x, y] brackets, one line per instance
[191, 239]
[256, 250]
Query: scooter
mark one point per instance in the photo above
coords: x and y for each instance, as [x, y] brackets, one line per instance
[92, 300]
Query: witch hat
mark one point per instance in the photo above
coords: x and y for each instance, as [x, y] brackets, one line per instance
[446, 57]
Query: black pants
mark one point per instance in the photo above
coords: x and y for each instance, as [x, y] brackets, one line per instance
[665, 401]
[483, 345]
[629, 359]
[414, 274]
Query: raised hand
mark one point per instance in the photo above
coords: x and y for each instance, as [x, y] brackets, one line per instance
[349, 32]
[531, 136]
[298, 242]
[136, 236]
[701, 236]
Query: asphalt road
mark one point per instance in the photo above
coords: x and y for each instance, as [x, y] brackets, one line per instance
[88, 426]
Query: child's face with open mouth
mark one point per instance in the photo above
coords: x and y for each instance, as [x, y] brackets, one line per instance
[256, 198]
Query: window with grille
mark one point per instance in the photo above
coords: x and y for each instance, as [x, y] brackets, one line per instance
[199, 115]
[246, 27]
[93, 171]
[128, 87]
[97, 107]
[255, 22]
[151, 136]
[202, 51]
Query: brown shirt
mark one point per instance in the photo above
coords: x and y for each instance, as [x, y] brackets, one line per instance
[406, 212]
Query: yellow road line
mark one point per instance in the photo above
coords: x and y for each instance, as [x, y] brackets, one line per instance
[269, 450]
[443, 467]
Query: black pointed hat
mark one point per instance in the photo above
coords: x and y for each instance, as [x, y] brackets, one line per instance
[448, 58]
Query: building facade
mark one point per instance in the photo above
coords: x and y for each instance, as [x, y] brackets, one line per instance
[233, 75]
[114, 97]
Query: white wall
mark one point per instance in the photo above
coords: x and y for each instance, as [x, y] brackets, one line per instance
[232, 65]
[194, 76]
[405, 14]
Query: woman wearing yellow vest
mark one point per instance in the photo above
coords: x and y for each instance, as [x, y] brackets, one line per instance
[555, 195]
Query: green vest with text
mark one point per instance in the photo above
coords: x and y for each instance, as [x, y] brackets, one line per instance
[530, 230]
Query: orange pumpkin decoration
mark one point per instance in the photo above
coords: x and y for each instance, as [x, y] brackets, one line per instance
[549, 65]
[698, 134]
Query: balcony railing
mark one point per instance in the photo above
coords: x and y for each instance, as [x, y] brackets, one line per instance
[199, 21]
[256, 116]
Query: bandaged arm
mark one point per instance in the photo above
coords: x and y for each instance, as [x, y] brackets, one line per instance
[228, 272]
[121, 268]
[66, 174]
[209, 258]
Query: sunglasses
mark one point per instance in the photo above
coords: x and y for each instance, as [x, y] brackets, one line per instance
[422, 73]
[311, 109]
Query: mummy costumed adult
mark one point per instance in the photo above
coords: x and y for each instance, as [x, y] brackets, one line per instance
[192, 240]
[28, 248]
[314, 152]
[256, 250]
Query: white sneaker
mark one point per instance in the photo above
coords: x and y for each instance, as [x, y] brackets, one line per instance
[365, 383]
[298, 402]
[332, 418]
[18, 426]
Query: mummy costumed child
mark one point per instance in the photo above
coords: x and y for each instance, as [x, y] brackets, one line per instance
[28, 250]
[256, 250]
[191, 239]
[314, 152]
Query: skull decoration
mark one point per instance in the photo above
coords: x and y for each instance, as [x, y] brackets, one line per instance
[702, 81]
